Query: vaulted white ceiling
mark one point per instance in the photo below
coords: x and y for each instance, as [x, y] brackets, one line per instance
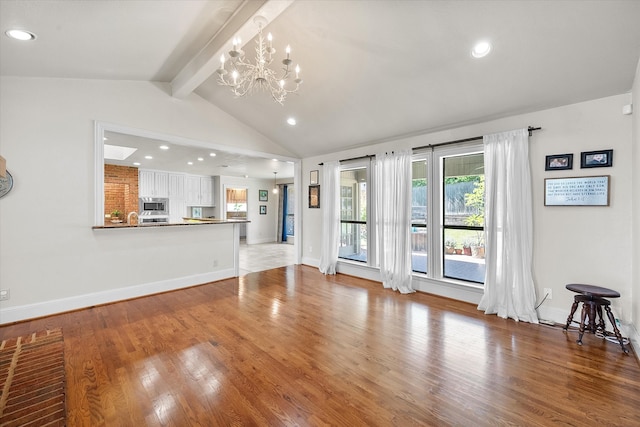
[372, 70]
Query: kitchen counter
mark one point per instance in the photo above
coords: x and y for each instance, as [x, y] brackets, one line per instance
[185, 222]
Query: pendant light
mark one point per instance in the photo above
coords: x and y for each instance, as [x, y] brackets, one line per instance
[275, 185]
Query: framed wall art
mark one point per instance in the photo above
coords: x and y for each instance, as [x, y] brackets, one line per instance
[263, 195]
[263, 209]
[313, 177]
[314, 196]
[596, 159]
[558, 162]
[578, 191]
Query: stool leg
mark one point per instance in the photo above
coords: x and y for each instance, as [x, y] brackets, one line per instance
[601, 324]
[615, 328]
[592, 317]
[583, 316]
[574, 307]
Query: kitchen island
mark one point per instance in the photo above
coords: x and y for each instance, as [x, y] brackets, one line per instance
[185, 222]
[165, 256]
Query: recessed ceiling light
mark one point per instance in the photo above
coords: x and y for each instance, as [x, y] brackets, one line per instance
[246, 176]
[164, 147]
[136, 163]
[21, 35]
[148, 157]
[481, 49]
[212, 154]
[200, 159]
[275, 160]
[189, 163]
[291, 121]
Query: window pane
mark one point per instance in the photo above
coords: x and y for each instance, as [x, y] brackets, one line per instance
[462, 260]
[353, 242]
[419, 217]
[353, 207]
[463, 204]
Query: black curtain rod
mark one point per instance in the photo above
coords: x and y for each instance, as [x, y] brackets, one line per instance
[368, 156]
[531, 129]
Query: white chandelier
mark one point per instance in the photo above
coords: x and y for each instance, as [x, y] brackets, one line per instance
[245, 76]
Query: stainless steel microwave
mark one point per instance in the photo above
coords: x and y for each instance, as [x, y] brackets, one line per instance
[154, 205]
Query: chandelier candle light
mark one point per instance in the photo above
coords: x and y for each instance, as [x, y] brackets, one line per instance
[245, 76]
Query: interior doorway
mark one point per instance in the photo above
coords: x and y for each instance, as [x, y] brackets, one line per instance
[286, 214]
[236, 206]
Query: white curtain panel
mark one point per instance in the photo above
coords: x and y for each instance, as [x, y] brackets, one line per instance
[329, 203]
[392, 177]
[509, 290]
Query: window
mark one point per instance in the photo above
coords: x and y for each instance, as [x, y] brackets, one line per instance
[447, 220]
[353, 214]
[447, 214]
[419, 197]
[463, 214]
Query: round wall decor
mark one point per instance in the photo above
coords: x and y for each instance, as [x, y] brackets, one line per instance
[6, 184]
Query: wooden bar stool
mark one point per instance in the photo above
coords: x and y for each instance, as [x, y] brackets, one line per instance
[593, 299]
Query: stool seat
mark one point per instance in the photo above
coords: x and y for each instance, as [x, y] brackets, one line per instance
[593, 300]
[593, 291]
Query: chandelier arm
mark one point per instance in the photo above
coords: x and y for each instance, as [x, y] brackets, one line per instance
[245, 77]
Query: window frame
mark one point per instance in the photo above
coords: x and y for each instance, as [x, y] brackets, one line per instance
[435, 208]
[372, 259]
[427, 157]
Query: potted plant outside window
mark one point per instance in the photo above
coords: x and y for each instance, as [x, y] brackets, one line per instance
[450, 247]
[466, 248]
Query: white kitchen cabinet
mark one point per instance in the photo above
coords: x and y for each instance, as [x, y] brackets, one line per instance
[153, 183]
[192, 190]
[177, 185]
[199, 190]
[206, 191]
[177, 201]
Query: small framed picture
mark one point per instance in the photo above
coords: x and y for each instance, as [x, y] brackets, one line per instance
[263, 196]
[596, 159]
[558, 162]
[263, 209]
[314, 196]
[313, 177]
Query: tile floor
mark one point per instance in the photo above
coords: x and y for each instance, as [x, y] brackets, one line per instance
[265, 256]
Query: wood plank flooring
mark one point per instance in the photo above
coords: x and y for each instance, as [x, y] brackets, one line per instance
[289, 346]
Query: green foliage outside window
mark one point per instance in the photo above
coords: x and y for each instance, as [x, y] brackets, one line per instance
[475, 200]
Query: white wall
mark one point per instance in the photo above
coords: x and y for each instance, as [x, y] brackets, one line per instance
[50, 258]
[572, 244]
[635, 260]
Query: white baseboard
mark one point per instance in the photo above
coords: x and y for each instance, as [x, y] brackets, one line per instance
[47, 308]
[359, 270]
[313, 262]
[557, 315]
[454, 291]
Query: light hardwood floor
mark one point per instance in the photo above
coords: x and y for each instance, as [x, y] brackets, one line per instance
[289, 346]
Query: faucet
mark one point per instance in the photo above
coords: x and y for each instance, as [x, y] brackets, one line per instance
[132, 214]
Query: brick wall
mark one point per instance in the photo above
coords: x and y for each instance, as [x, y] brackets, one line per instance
[120, 189]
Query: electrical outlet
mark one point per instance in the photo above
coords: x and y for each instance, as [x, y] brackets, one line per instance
[4, 294]
[548, 293]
